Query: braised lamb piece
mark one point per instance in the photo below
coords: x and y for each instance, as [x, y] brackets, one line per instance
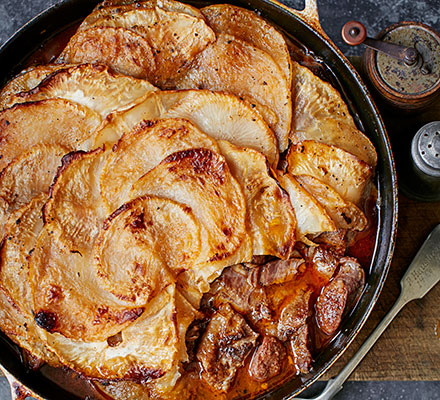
[275, 300]
[226, 343]
[341, 291]
[268, 359]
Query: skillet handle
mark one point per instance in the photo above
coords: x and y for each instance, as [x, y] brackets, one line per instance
[309, 14]
[18, 390]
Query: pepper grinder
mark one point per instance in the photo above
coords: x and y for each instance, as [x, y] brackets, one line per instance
[402, 63]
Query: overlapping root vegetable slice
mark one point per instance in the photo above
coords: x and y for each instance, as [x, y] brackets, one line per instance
[343, 171]
[173, 40]
[75, 203]
[233, 66]
[124, 51]
[109, 7]
[52, 122]
[345, 214]
[26, 80]
[27, 177]
[15, 296]
[320, 114]
[141, 149]
[201, 179]
[250, 27]
[271, 220]
[67, 296]
[91, 85]
[160, 386]
[221, 116]
[143, 245]
[311, 217]
[146, 349]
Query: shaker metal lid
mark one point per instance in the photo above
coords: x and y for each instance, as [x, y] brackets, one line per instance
[425, 149]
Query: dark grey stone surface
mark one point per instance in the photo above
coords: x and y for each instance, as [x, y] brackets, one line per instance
[376, 15]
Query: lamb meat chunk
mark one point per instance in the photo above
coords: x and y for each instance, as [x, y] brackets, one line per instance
[302, 358]
[234, 287]
[226, 343]
[275, 272]
[342, 290]
[293, 326]
[268, 359]
[353, 276]
[330, 306]
[294, 315]
[325, 261]
[337, 241]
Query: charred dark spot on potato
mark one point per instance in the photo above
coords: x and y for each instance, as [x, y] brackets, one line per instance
[54, 293]
[46, 320]
[227, 231]
[140, 374]
[138, 222]
[115, 340]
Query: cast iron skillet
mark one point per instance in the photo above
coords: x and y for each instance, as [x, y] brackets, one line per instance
[25, 42]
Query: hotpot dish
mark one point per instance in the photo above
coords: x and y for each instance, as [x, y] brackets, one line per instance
[312, 48]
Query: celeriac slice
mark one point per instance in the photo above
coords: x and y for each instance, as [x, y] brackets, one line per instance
[270, 220]
[345, 214]
[51, 122]
[67, 295]
[320, 114]
[311, 217]
[109, 7]
[141, 149]
[201, 179]
[75, 203]
[30, 175]
[233, 66]
[91, 85]
[143, 245]
[146, 350]
[122, 50]
[25, 81]
[250, 27]
[343, 171]
[17, 319]
[221, 116]
[174, 38]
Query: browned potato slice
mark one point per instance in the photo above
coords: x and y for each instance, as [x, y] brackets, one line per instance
[221, 116]
[201, 180]
[126, 390]
[343, 171]
[141, 149]
[91, 85]
[25, 81]
[271, 220]
[345, 214]
[250, 27]
[75, 203]
[153, 239]
[175, 38]
[320, 114]
[143, 351]
[66, 292]
[27, 177]
[16, 318]
[311, 217]
[233, 66]
[122, 50]
[109, 7]
[52, 122]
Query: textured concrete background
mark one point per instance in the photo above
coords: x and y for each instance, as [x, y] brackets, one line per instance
[376, 15]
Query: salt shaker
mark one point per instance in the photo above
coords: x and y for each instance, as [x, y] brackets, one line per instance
[421, 180]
